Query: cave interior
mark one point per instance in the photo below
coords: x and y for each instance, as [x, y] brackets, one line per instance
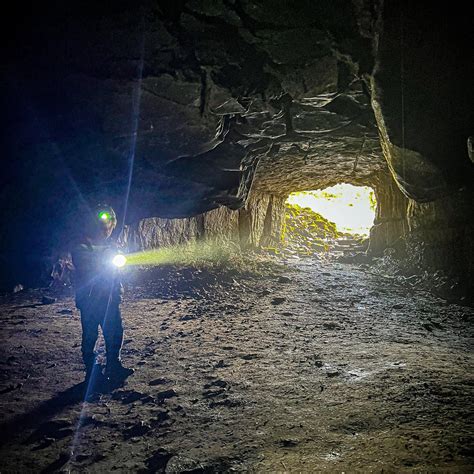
[195, 120]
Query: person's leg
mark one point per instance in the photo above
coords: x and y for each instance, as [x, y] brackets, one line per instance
[112, 328]
[90, 332]
[113, 332]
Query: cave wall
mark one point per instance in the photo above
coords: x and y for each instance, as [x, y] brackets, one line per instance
[390, 223]
[422, 96]
[427, 236]
[261, 220]
[258, 224]
[441, 235]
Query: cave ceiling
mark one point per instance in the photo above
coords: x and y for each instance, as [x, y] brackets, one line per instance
[209, 99]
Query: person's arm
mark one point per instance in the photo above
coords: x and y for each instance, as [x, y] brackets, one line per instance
[84, 261]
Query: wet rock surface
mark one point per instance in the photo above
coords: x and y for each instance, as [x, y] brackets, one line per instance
[350, 370]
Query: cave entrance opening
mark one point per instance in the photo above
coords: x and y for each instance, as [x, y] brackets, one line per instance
[315, 219]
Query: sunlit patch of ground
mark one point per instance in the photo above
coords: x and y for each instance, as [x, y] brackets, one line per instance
[351, 208]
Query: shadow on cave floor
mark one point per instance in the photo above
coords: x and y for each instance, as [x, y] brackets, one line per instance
[38, 417]
[310, 366]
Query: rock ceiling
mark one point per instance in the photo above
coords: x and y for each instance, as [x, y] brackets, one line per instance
[208, 98]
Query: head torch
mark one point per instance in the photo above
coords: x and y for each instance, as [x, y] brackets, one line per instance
[104, 216]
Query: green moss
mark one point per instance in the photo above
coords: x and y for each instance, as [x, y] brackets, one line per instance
[306, 231]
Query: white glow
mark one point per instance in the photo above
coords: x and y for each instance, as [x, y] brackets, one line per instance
[119, 260]
[349, 207]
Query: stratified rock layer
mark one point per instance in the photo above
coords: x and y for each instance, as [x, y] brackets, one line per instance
[259, 223]
[442, 234]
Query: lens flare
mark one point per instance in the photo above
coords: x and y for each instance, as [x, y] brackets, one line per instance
[119, 260]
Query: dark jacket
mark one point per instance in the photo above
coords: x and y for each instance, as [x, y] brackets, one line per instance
[96, 280]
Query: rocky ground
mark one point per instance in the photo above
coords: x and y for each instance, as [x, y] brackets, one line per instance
[316, 366]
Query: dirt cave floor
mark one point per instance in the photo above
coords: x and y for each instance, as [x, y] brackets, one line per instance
[312, 367]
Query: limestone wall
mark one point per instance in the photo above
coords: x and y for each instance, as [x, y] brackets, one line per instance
[441, 234]
[390, 224]
[258, 223]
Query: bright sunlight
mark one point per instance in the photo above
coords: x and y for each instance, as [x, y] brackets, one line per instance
[351, 208]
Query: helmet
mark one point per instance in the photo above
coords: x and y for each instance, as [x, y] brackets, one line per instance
[105, 214]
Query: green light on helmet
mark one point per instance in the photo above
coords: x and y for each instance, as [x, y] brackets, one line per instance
[104, 216]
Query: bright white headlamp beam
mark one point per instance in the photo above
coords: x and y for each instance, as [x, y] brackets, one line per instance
[119, 260]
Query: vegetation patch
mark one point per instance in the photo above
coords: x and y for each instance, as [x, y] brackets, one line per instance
[306, 232]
